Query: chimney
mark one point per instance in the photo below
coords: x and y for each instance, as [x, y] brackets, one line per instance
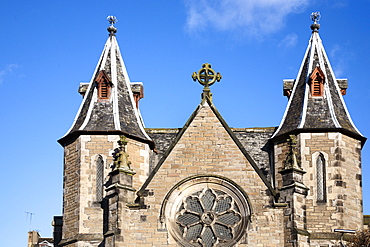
[33, 238]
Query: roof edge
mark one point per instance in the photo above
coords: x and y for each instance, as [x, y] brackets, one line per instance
[320, 130]
[65, 140]
[168, 151]
[242, 149]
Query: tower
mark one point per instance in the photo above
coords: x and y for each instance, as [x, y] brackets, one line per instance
[317, 152]
[109, 111]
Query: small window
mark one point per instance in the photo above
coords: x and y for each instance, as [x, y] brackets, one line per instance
[317, 80]
[99, 178]
[321, 178]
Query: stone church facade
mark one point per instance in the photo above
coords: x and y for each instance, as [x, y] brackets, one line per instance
[207, 184]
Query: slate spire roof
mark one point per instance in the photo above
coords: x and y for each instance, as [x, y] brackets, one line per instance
[117, 112]
[311, 111]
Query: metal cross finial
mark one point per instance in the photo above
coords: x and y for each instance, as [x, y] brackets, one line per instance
[112, 19]
[315, 17]
[111, 29]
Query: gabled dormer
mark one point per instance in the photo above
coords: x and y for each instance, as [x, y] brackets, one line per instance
[104, 85]
[316, 81]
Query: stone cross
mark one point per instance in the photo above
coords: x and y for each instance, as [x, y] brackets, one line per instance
[206, 76]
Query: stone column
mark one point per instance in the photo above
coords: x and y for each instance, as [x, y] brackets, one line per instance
[119, 197]
[294, 192]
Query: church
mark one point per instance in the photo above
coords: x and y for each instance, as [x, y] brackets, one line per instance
[207, 184]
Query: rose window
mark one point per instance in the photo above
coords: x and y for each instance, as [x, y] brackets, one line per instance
[206, 211]
[208, 218]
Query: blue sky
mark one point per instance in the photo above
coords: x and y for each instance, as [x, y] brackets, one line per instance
[48, 47]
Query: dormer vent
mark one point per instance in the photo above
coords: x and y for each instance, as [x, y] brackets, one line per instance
[104, 85]
[317, 80]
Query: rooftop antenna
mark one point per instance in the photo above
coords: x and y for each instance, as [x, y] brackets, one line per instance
[30, 215]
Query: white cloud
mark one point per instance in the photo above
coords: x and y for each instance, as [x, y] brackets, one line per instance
[340, 4]
[340, 57]
[7, 70]
[335, 51]
[289, 41]
[256, 17]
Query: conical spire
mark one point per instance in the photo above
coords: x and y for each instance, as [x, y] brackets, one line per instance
[315, 96]
[109, 104]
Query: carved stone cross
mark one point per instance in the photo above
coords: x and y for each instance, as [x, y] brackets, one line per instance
[206, 76]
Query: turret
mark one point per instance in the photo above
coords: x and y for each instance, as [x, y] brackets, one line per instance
[316, 96]
[108, 114]
[317, 153]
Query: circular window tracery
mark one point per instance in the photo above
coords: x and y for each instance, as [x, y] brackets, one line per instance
[207, 212]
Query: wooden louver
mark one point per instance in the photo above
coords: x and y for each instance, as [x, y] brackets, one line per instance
[317, 80]
[104, 85]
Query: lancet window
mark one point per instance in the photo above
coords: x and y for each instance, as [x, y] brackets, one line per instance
[99, 178]
[321, 178]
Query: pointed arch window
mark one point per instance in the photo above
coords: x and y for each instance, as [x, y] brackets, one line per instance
[99, 178]
[317, 80]
[321, 178]
[104, 85]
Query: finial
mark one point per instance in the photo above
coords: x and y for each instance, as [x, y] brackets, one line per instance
[206, 76]
[315, 17]
[120, 157]
[111, 29]
[292, 160]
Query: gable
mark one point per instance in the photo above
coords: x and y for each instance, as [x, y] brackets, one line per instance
[206, 160]
[205, 146]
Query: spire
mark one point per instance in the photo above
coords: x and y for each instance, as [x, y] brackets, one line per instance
[108, 104]
[315, 96]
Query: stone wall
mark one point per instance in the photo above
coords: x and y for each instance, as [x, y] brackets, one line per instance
[343, 205]
[204, 149]
[71, 189]
[83, 211]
